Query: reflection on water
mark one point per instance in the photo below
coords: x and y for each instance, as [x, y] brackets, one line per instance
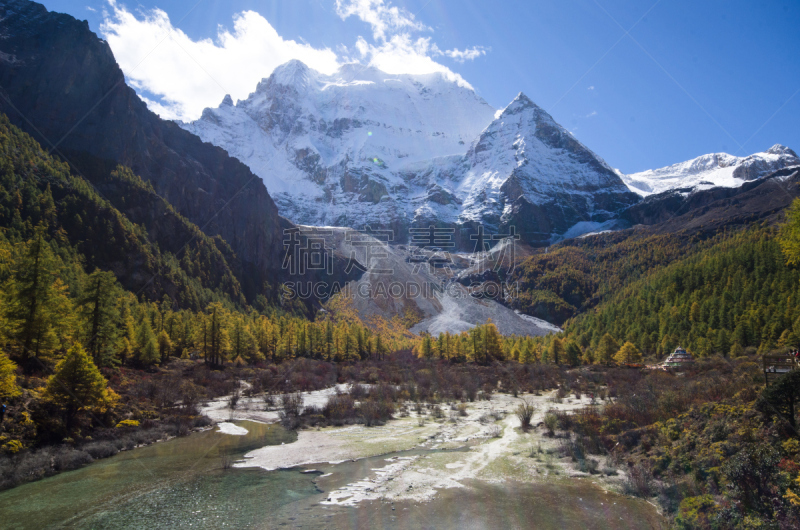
[181, 484]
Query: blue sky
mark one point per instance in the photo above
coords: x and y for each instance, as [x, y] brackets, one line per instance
[643, 84]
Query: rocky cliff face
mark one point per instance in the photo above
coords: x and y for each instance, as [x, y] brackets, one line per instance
[61, 84]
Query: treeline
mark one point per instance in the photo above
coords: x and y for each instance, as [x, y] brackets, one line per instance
[484, 344]
[50, 303]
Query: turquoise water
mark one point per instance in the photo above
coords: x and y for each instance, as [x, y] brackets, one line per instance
[176, 484]
[182, 484]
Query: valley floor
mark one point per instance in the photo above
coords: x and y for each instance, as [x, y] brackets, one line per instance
[425, 454]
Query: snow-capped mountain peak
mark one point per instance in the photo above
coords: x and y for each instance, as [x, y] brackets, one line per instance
[779, 149]
[331, 147]
[711, 170]
[528, 171]
[518, 104]
[362, 147]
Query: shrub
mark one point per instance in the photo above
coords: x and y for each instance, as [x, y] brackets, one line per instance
[639, 481]
[750, 474]
[12, 447]
[68, 459]
[588, 465]
[551, 423]
[291, 408]
[340, 409]
[98, 450]
[375, 412]
[233, 401]
[696, 512]
[358, 391]
[525, 412]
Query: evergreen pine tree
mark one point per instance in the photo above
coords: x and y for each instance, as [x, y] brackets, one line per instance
[146, 345]
[217, 333]
[573, 353]
[36, 301]
[557, 350]
[492, 341]
[76, 385]
[427, 350]
[628, 354]
[526, 355]
[379, 348]
[98, 310]
[606, 349]
[164, 346]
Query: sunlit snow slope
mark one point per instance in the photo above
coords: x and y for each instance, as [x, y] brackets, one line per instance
[712, 170]
[364, 148]
[332, 149]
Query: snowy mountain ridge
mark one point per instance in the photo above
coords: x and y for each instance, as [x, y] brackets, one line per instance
[711, 170]
[363, 148]
[527, 170]
[331, 148]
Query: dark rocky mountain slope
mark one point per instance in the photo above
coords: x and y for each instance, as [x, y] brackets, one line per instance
[60, 83]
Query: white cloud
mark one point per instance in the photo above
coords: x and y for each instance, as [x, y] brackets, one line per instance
[181, 77]
[383, 17]
[90, 8]
[402, 54]
[590, 88]
[395, 50]
[470, 54]
[190, 75]
[593, 113]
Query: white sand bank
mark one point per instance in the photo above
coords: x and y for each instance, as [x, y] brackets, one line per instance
[501, 451]
[230, 428]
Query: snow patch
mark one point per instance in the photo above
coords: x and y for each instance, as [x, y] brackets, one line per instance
[230, 428]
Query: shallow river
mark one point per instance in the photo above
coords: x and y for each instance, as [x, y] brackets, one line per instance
[182, 484]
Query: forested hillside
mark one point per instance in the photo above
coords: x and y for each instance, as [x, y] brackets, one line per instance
[65, 89]
[152, 252]
[92, 283]
[575, 275]
[735, 294]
